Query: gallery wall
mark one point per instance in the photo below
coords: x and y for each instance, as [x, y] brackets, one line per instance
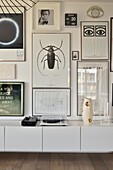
[24, 69]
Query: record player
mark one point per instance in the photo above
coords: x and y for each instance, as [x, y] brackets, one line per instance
[54, 120]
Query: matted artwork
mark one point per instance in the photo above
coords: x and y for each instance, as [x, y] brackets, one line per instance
[51, 60]
[7, 71]
[11, 98]
[12, 35]
[51, 101]
[93, 83]
[94, 40]
[46, 16]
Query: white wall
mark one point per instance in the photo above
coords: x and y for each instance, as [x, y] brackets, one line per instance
[80, 9]
[24, 71]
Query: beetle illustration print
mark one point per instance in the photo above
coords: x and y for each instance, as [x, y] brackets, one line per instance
[50, 58]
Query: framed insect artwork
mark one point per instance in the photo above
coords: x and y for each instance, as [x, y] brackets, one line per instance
[51, 60]
[94, 41]
[12, 35]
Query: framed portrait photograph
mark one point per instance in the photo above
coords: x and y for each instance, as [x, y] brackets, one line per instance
[75, 55]
[51, 101]
[111, 44]
[51, 60]
[93, 83]
[95, 38]
[12, 36]
[11, 98]
[46, 16]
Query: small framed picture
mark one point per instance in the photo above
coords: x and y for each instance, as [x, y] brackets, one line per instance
[46, 16]
[75, 55]
[70, 19]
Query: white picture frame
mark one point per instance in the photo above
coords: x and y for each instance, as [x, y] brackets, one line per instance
[54, 48]
[53, 13]
[51, 101]
[12, 48]
[94, 40]
[93, 81]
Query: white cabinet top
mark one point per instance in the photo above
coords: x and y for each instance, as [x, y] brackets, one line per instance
[95, 123]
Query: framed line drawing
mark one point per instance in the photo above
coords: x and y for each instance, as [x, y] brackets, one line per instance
[51, 60]
[93, 83]
[12, 36]
[51, 101]
[75, 55]
[94, 43]
[111, 44]
[46, 16]
[11, 98]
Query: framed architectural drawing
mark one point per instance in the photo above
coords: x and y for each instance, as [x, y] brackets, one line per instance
[11, 98]
[93, 83]
[94, 40]
[51, 60]
[46, 16]
[12, 36]
[111, 44]
[51, 101]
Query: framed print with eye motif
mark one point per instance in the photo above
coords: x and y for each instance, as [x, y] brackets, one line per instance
[94, 40]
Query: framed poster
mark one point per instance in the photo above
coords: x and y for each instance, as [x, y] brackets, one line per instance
[94, 40]
[51, 101]
[12, 36]
[46, 16]
[71, 19]
[111, 44]
[11, 98]
[93, 81]
[51, 60]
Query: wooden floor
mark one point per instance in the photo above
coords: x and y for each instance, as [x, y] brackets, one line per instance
[55, 161]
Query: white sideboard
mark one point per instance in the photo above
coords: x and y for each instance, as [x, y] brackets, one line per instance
[61, 139]
[97, 139]
[1, 138]
[72, 138]
[23, 139]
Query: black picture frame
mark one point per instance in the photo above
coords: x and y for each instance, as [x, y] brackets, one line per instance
[75, 55]
[11, 98]
[71, 19]
[111, 44]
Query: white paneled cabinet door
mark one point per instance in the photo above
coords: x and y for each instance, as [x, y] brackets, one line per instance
[1, 138]
[61, 139]
[97, 139]
[23, 139]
